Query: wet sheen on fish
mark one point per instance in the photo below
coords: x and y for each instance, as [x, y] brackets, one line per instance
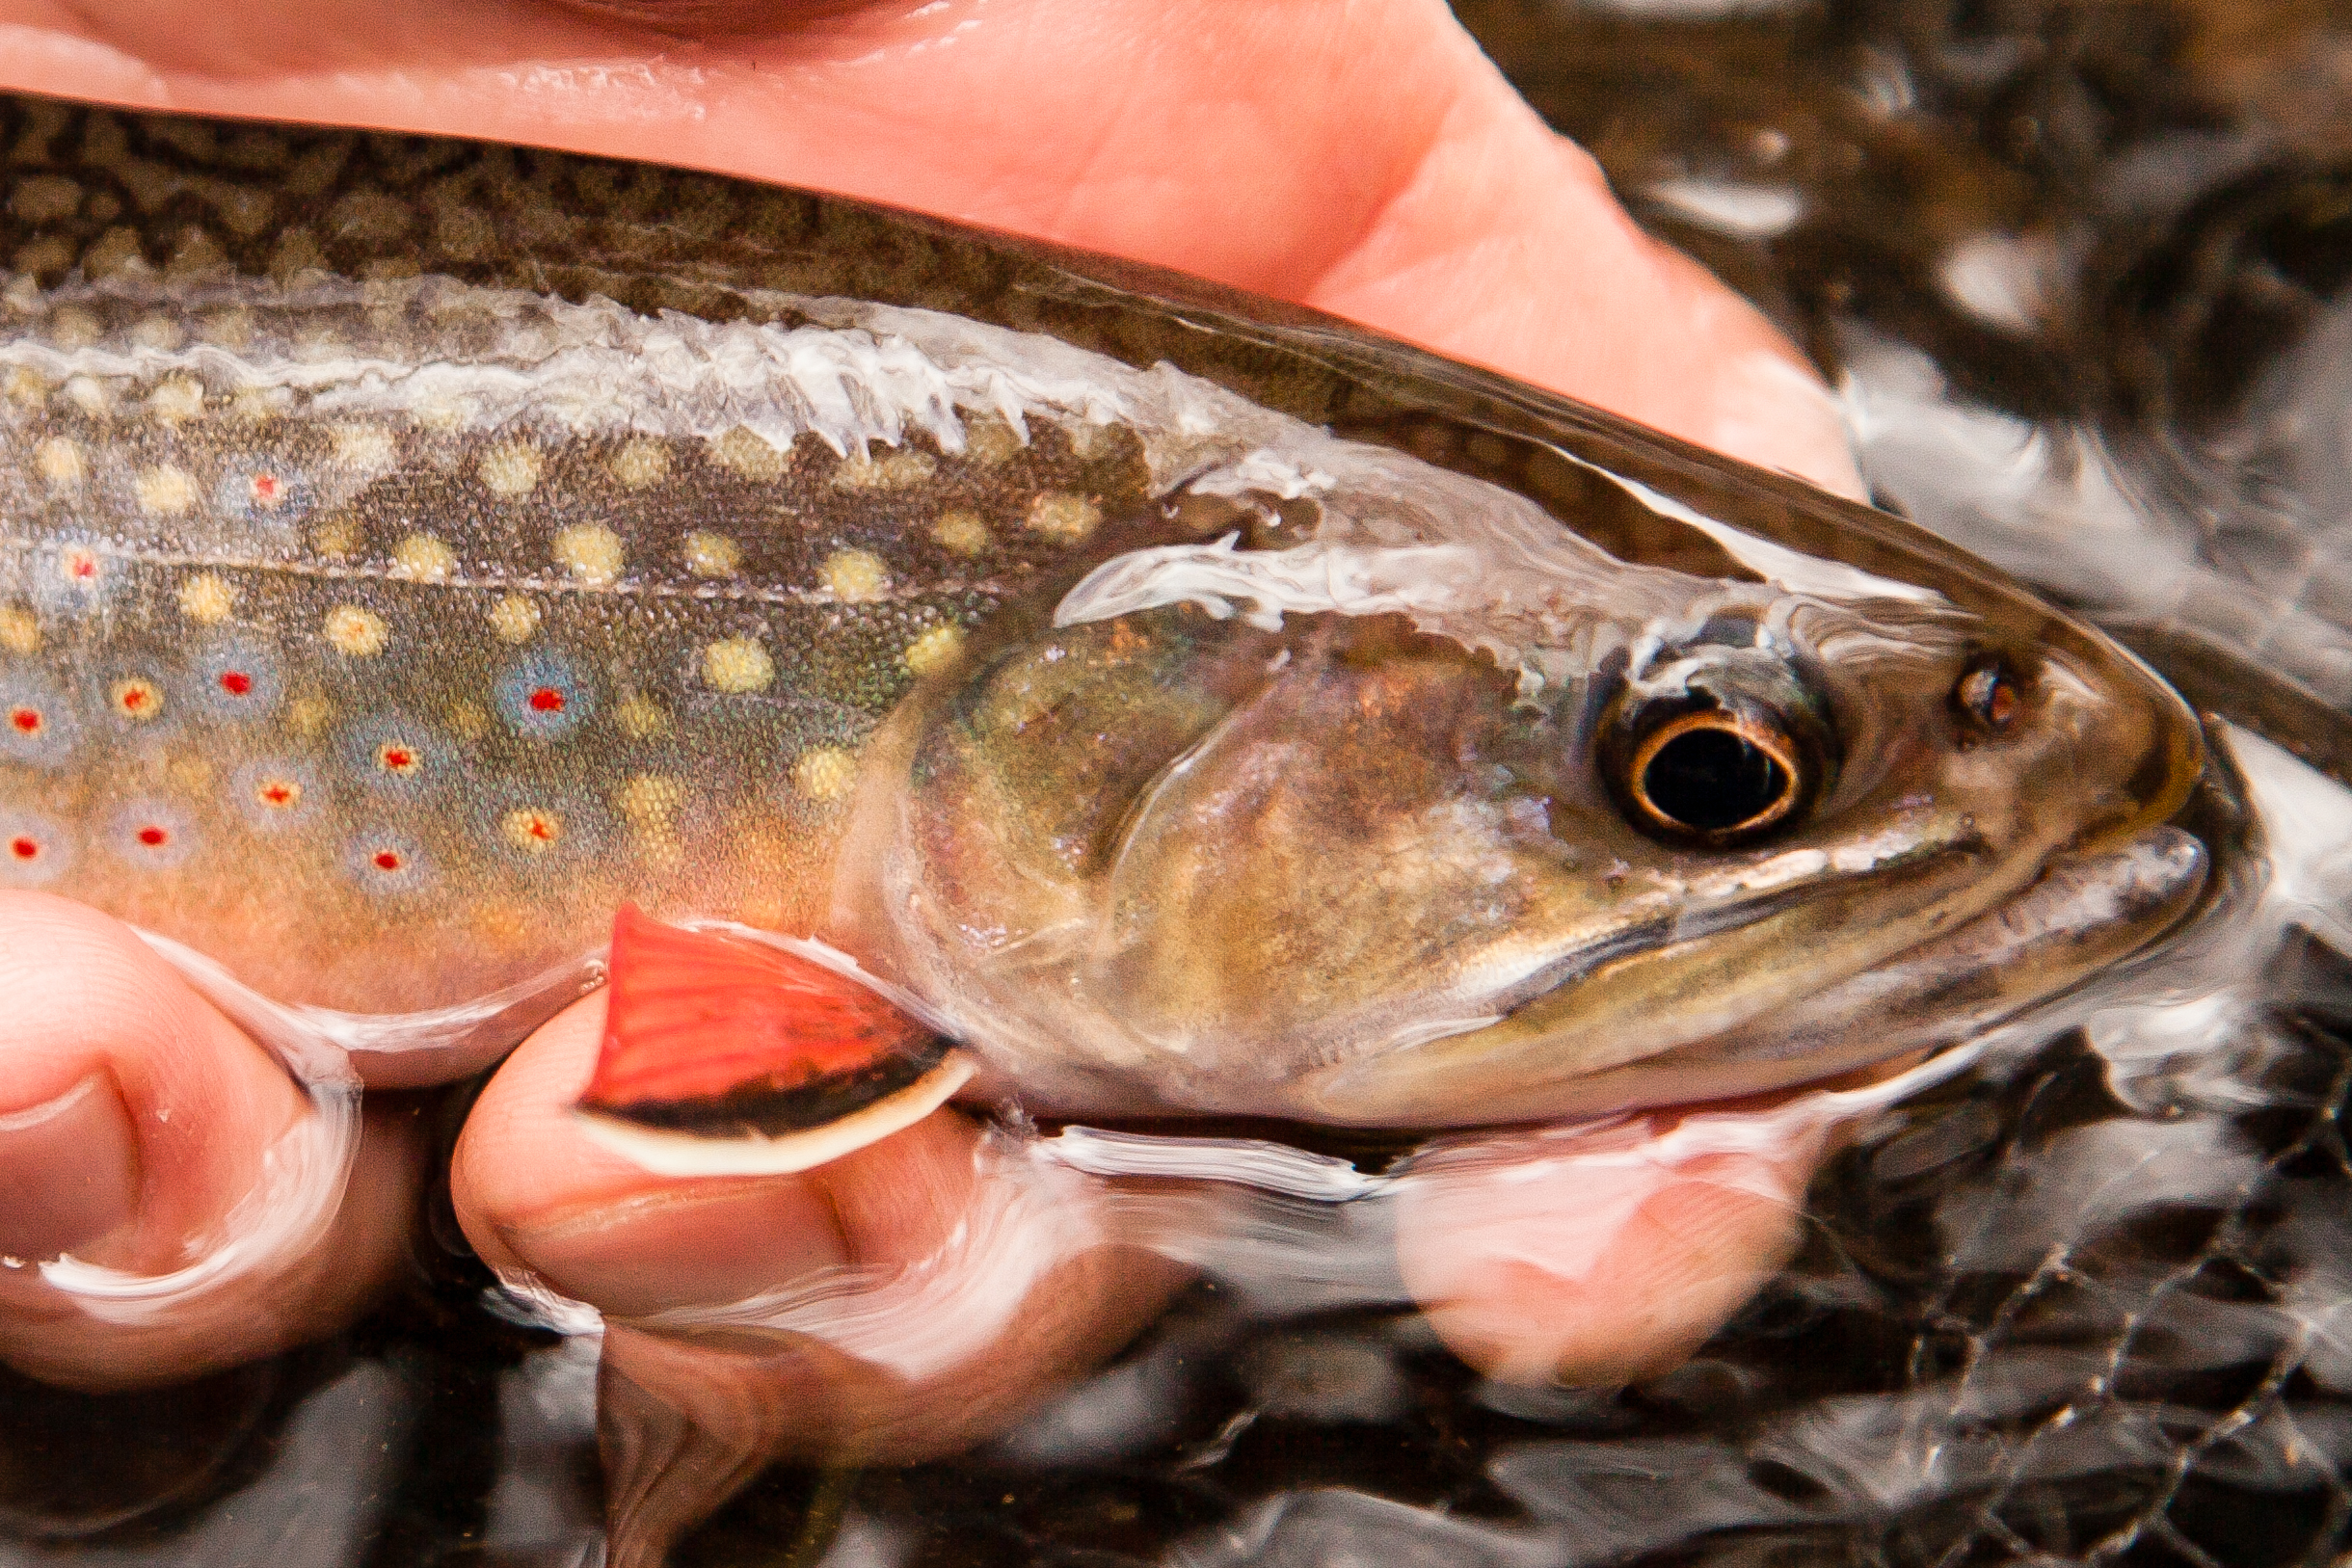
[415, 551]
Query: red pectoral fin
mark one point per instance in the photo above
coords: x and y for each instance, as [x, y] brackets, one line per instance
[723, 1054]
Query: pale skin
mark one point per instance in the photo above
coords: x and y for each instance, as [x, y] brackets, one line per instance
[1363, 158]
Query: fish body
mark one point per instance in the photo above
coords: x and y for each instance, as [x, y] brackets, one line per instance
[415, 551]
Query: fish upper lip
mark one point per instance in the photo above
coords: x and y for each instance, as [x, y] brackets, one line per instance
[1916, 856]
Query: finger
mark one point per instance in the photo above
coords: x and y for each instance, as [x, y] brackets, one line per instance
[1601, 1260]
[134, 1120]
[1364, 158]
[958, 1290]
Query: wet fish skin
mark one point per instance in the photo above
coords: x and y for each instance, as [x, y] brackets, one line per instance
[416, 548]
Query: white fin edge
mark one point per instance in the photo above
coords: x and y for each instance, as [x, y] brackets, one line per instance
[684, 1153]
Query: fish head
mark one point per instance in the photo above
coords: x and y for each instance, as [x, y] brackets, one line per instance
[1427, 827]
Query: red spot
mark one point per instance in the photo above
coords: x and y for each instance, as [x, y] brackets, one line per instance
[546, 699]
[699, 1016]
[24, 849]
[395, 757]
[237, 682]
[82, 566]
[386, 860]
[277, 794]
[265, 487]
[153, 836]
[135, 698]
[25, 720]
[541, 829]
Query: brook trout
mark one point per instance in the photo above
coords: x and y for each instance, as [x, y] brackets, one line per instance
[1147, 699]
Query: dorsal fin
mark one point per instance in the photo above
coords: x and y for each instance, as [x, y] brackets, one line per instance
[724, 1055]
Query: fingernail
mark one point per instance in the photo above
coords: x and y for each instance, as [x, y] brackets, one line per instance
[68, 1171]
[680, 1248]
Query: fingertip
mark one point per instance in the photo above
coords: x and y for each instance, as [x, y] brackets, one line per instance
[534, 1193]
[1577, 1272]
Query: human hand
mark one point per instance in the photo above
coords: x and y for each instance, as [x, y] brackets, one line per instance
[1363, 160]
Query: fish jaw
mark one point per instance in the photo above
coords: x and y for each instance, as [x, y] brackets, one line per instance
[2085, 911]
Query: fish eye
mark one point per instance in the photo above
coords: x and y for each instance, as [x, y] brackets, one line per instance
[1716, 775]
[1736, 755]
[1987, 693]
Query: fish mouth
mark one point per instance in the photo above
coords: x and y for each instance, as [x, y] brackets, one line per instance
[2085, 909]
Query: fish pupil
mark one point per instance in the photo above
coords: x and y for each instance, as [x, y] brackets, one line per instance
[1710, 779]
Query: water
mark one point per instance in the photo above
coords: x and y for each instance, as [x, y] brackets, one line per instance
[2078, 273]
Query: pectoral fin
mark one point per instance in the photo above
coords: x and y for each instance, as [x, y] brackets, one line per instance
[724, 1055]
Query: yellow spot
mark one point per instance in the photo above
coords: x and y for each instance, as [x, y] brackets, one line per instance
[136, 698]
[712, 555]
[641, 718]
[854, 576]
[651, 799]
[366, 448]
[590, 553]
[19, 632]
[206, 599]
[935, 649]
[515, 618]
[825, 773]
[504, 922]
[161, 333]
[337, 537]
[177, 399]
[438, 413]
[356, 631]
[641, 462]
[422, 558]
[89, 394]
[27, 386]
[470, 719]
[166, 491]
[60, 463]
[511, 469]
[532, 829]
[73, 327]
[308, 715]
[1063, 518]
[1088, 441]
[737, 664]
[749, 455]
[891, 470]
[961, 533]
[989, 440]
[258, 405]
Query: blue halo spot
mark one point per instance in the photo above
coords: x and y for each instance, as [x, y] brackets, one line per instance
[239, 678]
[152, 835]
[36, 726]
[34, 850]
[385, 862]
[544, 696]
[264, 492]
